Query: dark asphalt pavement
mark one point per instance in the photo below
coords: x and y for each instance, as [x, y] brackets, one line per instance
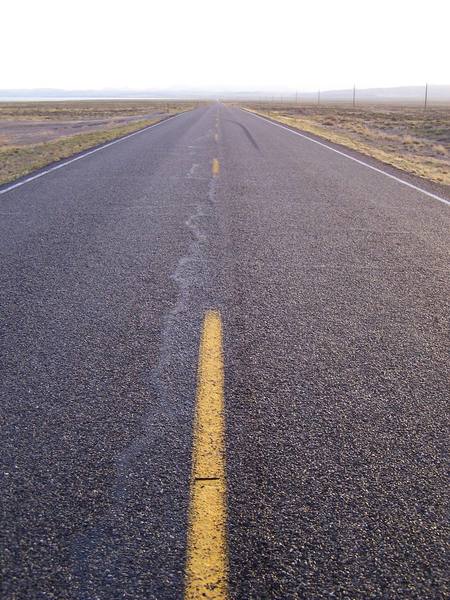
[333, 285]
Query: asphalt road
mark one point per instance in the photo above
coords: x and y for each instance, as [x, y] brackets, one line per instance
[332, 283]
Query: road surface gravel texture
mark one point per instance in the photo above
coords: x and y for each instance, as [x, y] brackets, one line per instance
[332, 283]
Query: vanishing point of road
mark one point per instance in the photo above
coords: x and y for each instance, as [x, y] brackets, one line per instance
[224, 371]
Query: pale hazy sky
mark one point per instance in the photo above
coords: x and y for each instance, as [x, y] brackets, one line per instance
[239, 44]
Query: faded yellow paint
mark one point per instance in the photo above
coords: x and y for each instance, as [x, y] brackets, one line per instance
[207, 562]
[215, 166]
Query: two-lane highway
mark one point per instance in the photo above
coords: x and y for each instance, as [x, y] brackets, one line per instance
[326, 283]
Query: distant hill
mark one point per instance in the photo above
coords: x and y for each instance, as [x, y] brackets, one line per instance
[436, 93]
[407, 94]
[51, 93]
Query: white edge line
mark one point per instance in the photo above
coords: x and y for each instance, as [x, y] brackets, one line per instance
[87, 153]
[361, 162]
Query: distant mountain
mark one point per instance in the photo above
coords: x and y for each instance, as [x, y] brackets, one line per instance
[49, 93]
[436, 93]
[411, 93]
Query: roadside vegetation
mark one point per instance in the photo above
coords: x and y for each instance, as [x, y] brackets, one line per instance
[410, 139]
[35, 134]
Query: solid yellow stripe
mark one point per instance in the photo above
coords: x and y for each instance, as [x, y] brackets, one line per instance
[215, 166]
[207, 563]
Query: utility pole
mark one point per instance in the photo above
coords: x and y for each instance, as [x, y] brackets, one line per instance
[354, 95]
[296, 97]
[426, 97]
[318, 98]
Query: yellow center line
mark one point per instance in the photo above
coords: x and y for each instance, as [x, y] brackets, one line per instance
[207, 562]
[215, 166]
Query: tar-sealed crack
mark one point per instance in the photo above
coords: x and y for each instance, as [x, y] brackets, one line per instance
[160, 458]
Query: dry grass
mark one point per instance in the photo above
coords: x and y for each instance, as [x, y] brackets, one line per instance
[52, 128]
[410, 139]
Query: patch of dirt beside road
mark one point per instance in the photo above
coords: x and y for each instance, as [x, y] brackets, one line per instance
[34, 134]
[23, 133]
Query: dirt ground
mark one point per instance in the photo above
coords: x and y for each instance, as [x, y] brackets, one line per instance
[22, 133]
[34, 134]
[25, 123]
